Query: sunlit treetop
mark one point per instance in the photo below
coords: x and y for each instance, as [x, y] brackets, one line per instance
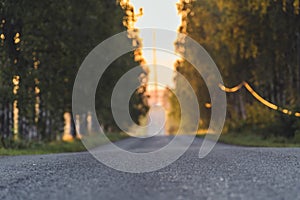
[129, 21]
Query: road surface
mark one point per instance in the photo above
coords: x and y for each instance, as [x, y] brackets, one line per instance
[228, 172]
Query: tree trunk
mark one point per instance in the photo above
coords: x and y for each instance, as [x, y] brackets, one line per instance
[73, 126]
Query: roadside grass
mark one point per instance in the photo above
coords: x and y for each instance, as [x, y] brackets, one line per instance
[256, 140]
[239, 139]
[35, 148]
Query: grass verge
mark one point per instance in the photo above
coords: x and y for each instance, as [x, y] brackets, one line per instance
[35, 148]
[255, 140]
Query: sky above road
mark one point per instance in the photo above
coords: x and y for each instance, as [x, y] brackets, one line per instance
[159, 14]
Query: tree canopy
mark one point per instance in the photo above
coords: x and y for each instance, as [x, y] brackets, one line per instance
[42, 46]
[256, 41]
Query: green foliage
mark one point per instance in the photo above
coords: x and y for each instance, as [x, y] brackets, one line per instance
[138, 105]
[297, 136]
[256, 140]
[259, 116]
[55, 37]
[257, 41]
[264, 122]
[34, 147]
[174, 114]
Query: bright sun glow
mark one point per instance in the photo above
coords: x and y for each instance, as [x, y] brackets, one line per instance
[159, 14]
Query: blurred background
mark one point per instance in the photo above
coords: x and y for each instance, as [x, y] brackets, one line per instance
[255, 44]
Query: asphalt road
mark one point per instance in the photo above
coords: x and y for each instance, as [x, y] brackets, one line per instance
[228, 172]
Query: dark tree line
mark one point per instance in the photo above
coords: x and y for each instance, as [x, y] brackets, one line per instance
[42, 45]
[257, 41]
